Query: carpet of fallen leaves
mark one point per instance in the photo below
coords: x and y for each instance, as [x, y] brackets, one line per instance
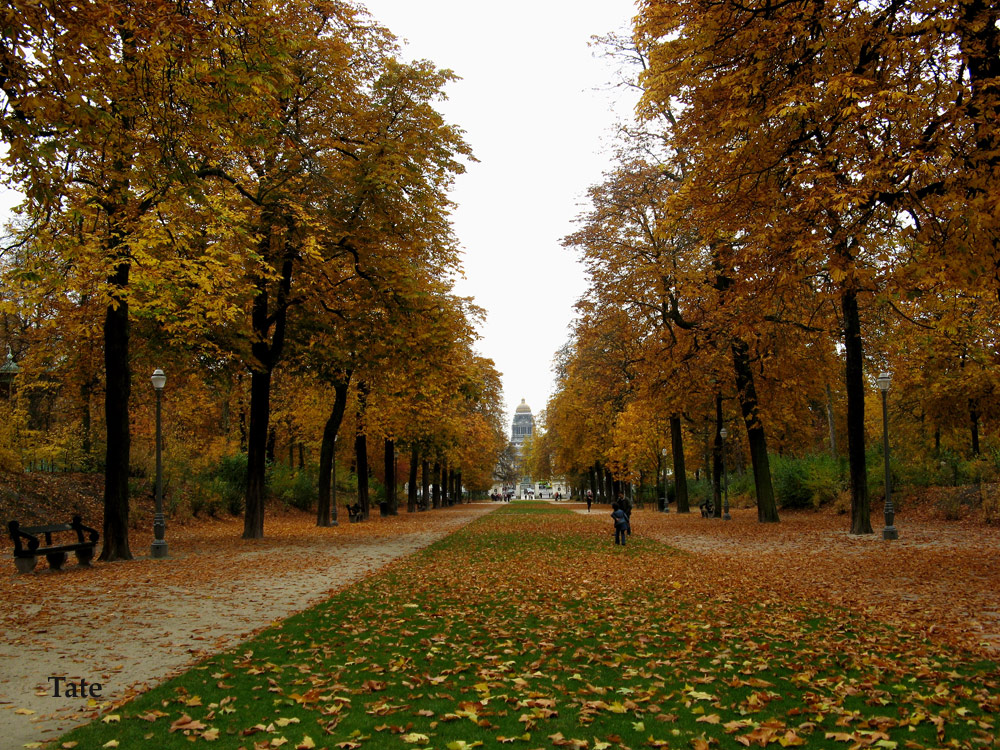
[129, 625]
[530, 629]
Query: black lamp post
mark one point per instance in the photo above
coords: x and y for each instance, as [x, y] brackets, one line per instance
[666, 497]
[889, 532]
[724, 433]
[159, 547]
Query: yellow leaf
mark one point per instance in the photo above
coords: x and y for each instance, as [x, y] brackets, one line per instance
[110, 743]
[112, 719]
[306, 744]
[24, 712]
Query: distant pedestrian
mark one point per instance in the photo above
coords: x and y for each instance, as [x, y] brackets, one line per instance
[626, 505]
[621, 523]
[590, 499]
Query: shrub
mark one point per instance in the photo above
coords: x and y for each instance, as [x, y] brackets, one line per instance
[228, 479]
[296, 488]
[807, 482]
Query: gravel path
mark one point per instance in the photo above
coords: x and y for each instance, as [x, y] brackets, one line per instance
[129, 626]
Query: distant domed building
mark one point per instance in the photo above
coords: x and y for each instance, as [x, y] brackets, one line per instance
[523, 425]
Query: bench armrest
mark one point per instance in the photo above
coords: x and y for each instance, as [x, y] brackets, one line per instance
[16, 535]
[80, 528]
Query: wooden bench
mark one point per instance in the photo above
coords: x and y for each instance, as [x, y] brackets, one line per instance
[355, 513]
[28, 545]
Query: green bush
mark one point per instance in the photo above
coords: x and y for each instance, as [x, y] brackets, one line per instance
[229, 481]
[806, 482]
[294, 487]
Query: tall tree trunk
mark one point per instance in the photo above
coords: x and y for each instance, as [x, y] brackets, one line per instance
[268, 325]
[361, 462]
[593, 481]
[260, 414]
[831, 422]
[609, 485]
[458, 486]
[361, 449]
[411, 485]
[436, 489]
[717, 460]
[326, 506]
[390, 477]
[445, 485]
[86, 391]
[974, 425]
[854, 376]
[680, 473]
[425, 480]
[119, 438]
[767, 509]
[272, 442]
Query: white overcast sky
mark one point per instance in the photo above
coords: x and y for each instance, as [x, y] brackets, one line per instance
[539, 110]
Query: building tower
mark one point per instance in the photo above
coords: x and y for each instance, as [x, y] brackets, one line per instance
[522, 426]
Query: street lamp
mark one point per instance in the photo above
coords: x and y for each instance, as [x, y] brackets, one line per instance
[724, 433]
[159, 547]
[666, 499]
[889, 532]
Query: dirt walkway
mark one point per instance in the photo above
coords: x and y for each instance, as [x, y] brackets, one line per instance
[130, 625]
[939, 577]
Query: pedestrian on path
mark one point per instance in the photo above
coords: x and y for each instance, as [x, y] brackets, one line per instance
[590, 499]
[621, 523]
[626, 505]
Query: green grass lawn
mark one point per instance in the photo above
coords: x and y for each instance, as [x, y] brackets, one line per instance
[530, 629]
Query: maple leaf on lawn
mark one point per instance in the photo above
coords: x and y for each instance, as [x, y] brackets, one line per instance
[759, 736]
[791, 739]
[186, 723]
[700, 696]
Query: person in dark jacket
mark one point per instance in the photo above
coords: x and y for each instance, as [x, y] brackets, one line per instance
[621, 523]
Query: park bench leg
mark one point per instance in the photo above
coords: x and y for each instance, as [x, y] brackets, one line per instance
[56, 560]
[25, 564]
[84, 556]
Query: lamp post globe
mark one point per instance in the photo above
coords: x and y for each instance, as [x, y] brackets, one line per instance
[884, 380]
[158, 549]
[724, 433]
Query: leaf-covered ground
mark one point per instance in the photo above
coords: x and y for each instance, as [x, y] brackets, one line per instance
[530, 629]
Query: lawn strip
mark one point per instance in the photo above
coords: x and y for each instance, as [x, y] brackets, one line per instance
[529, 628]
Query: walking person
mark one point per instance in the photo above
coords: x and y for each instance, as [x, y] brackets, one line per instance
[621, 523]
[590, 499]
[626, 505]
